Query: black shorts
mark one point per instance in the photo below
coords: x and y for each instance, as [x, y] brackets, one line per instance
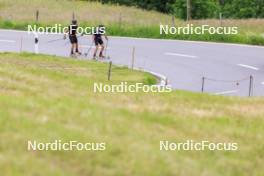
[73, 39]
[98, 41]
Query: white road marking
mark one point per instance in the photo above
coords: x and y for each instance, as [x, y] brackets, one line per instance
[226, 92]
[178, 54]
[8, 41]
[248, 66]
[262, 83]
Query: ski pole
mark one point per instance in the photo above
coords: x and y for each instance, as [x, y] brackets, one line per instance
[106, 47]
[86, 54]
[77, 38]
[55, 40]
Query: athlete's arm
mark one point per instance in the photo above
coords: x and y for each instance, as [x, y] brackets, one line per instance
[106, 37]
[65, 33]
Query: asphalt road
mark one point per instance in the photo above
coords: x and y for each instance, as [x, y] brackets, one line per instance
[184, 63]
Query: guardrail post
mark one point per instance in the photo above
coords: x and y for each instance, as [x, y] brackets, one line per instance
[251, 86]
[120, 20]
[21, 45]
[189, 10]
[36, 43]
[203, 82]
[109, 70]
[220, 18]
[133, 58]
[37, 16]
[173, 21]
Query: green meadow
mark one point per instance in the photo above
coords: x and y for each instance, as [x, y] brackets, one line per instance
[47, 98]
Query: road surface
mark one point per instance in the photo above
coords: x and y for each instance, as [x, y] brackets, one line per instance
[184, 63]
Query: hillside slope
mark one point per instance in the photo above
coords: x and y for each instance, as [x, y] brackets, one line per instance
[46, 98]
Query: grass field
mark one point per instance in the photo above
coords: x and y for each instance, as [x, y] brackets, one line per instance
[120, 20]
[94, 13]
[45, 98]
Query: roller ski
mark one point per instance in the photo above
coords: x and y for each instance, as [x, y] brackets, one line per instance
[76, 55]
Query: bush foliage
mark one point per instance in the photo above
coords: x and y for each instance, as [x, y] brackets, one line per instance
[201, 8]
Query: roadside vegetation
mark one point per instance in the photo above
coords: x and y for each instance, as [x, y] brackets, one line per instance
[119, 20]
[45, 98]
[200, 9]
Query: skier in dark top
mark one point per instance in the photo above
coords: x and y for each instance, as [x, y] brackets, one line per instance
[72, 32]
[97, 38]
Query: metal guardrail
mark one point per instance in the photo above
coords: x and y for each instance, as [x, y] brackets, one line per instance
[237, 82]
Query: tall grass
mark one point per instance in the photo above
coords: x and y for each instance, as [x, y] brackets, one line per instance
[120, 20]
[153, 32]
[61, 11]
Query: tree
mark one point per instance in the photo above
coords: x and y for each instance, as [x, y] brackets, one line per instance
[200, 9]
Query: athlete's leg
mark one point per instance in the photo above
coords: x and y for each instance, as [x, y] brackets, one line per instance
[95, 51]
[77, 48]
[102, 50]
[76, 45]
[72, 48]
